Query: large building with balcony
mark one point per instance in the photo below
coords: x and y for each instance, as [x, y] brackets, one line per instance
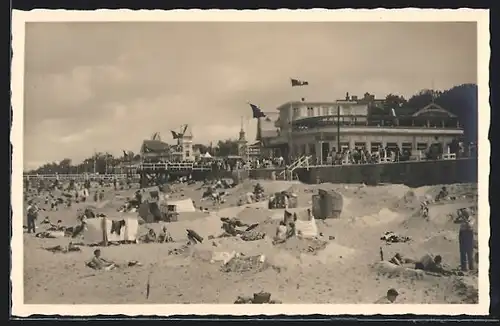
[322, 128]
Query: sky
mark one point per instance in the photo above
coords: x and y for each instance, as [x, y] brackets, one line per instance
[108, 86]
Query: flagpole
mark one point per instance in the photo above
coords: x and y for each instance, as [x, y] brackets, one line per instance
[338, 129]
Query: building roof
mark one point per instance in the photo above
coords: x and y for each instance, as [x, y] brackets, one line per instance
[433, 110]
[154, 146]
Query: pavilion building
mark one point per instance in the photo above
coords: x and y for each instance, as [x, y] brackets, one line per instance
[321, 128]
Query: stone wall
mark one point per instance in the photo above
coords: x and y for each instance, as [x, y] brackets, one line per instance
[413, 174]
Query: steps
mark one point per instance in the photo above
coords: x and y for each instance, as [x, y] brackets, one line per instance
[301, 162]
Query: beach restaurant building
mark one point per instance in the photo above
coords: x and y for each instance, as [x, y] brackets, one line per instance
[318, 128]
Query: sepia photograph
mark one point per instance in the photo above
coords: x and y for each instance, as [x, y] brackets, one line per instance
[316, 158]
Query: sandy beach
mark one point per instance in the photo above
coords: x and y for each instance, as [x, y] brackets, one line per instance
[342, 265]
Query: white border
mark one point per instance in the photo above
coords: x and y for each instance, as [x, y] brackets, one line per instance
[19, 19]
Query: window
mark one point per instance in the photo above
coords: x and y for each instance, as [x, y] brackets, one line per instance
[325, 110]
[310, 112]
[375, 147]
[359, 145]
[393, 146]
[421, 146]
[361, 120]
[406, 146]
[296, 112]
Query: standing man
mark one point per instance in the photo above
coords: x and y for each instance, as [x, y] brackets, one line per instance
[32, 216]
[466, 244]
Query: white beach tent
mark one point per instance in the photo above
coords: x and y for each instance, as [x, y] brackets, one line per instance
[95, 228]
[207, 155]
[183, 206]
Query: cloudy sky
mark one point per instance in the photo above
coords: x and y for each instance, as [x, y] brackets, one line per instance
[108, 86]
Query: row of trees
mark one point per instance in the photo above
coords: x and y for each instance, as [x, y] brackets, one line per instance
[460, 100]
[103, 163]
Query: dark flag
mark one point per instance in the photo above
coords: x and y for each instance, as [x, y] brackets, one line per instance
[297, 82]
[256, 111]
[125, 155]
[175, 135]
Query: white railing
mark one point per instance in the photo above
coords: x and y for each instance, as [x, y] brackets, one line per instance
[174, 166]
[77, 177]
[301, 162]
[449, 156]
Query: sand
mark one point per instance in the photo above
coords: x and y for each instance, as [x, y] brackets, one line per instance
[341, 266]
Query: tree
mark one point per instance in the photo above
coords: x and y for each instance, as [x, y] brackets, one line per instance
[227, 147]
[459, 100]
[393, 101]
[462, 101]
[202, 148]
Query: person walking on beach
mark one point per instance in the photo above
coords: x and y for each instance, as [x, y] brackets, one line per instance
[32, 216]
[466, 244]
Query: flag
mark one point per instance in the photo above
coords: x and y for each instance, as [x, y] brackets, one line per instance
[256, 111]
[393, 112]
[297, 82]
[184, 130]
[175, 135]
[125, 155]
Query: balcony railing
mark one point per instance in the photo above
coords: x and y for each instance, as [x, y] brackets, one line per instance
[174, 166]
[77, 177]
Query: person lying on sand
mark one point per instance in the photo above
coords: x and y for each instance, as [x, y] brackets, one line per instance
[399, 260]
[56, 227]
[431, 265]
[70, 248]
[46, 220]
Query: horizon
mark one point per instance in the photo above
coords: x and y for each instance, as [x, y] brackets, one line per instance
[139, 85]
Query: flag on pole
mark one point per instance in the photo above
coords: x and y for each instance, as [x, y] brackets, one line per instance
[125, 155]
[175, 135]
[256, 111]
[298, 82]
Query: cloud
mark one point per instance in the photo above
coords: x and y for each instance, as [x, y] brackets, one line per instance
[108, 86]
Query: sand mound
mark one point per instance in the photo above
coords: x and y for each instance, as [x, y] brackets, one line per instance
[384, 216]
[410, 201]
[282, 259]
[467, 289]
[243, 264]
[299, 246]
[251, 215]
[331, 253]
